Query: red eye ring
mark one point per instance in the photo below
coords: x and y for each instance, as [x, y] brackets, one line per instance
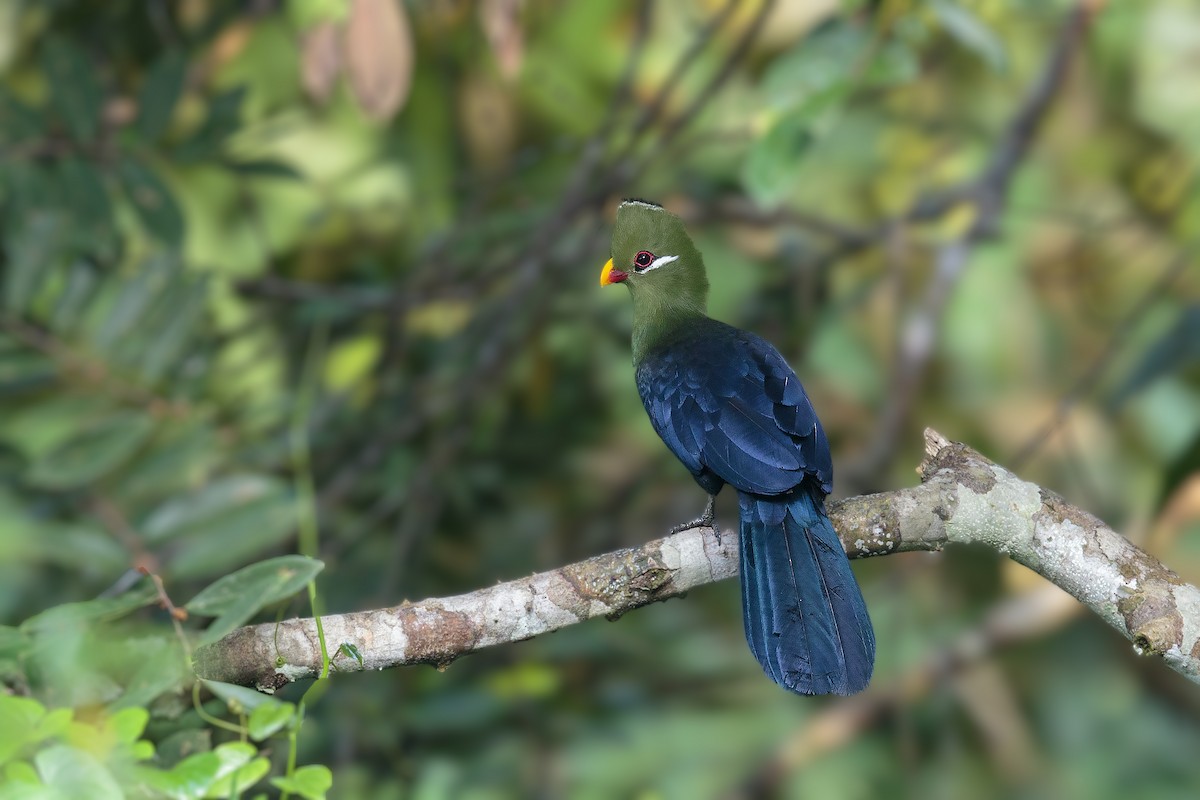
[643, 259]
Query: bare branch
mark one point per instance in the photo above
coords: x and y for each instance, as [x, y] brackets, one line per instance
[963, 498]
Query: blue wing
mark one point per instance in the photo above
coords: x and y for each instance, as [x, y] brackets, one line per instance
[727, 404]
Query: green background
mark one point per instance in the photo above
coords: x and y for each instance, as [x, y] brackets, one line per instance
[258, 301]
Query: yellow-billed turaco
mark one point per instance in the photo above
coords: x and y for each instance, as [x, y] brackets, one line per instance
[732, 410]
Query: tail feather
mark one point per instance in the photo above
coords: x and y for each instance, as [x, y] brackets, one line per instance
[805, 618]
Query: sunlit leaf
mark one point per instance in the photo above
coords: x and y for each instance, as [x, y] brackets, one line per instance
[75, 773]
[188, 779]
[127, 725]
[269, 718]
[19, 718]
[310, 782]
[236, 774]
[1167, 47]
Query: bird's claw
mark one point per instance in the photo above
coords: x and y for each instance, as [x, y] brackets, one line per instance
[705, 520]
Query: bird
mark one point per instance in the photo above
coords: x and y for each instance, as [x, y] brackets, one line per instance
[729, 407]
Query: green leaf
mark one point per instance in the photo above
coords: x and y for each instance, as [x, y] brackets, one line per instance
[23, 773]
[209, 506]
[267, 719]
[95, 450]
[18, 122]
[188, 779]
[12, 642]
[160, 93]
[186, 302]
[161, 667]
[967, 29]
[268, 581]
[225, 524]
[348, 650]
[75, 773]
[128, 724]
[136, 298]
[238, 597]
[22, 371]
[894, 64]
[54, 725]
[153, 201]
[75, 93]
[1178, 348]
[239, 778]
[85, 196]
[32, 250]
[183, 456]
[175, 747]
[775, 160]
[90, 612]
[19, 717]
[818, 63]
[239, 699]
[212, 774]
[310, 782]
[224, 117]
[80, 289]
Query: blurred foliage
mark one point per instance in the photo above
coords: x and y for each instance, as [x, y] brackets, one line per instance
[269, 268]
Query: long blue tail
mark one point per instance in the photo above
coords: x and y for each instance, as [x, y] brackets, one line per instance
[805, 617]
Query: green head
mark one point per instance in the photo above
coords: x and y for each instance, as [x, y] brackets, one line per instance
[653, 255]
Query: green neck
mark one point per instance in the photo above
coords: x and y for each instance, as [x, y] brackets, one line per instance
[658, 317]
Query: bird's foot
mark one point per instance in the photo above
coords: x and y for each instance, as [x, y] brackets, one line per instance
[705, 520]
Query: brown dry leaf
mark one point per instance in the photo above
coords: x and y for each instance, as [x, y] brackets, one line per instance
[321, 60]
[501, 21]
[379, 56]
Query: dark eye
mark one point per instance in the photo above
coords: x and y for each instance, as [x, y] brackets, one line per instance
[643, 259]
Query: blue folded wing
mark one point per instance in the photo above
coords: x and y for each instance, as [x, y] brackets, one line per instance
[725, 401]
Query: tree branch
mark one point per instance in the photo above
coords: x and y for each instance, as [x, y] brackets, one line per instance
[963, 498]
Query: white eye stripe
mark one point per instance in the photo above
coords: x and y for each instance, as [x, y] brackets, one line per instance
[661, 261]
[642, 204]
